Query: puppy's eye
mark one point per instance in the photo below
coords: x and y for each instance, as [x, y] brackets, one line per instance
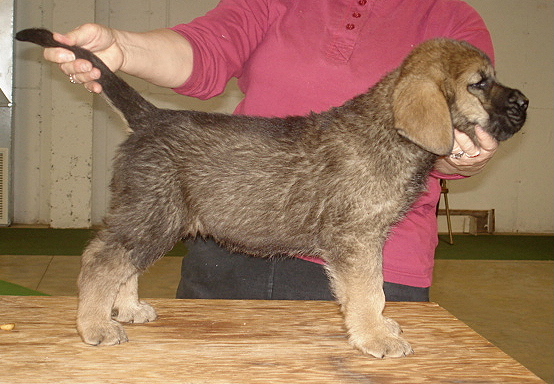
[482, 84]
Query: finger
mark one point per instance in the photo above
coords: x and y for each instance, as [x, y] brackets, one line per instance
[58, 55]
[85, 77]
[68, 68]
[464, 142]
[93, 86]
[456, 147]
[81, 67]
[486, 141]
[76, 66]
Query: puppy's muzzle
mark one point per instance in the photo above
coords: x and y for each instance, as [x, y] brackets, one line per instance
[517, 107]
[511, 113]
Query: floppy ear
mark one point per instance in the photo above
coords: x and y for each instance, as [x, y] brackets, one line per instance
[421, 114]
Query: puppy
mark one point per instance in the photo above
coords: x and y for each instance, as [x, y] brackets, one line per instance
[329, 184]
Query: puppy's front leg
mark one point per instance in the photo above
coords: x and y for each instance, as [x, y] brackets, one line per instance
[357, 280]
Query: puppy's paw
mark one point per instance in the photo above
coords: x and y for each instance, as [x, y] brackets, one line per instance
[392, 326]
[382, 341]
[140, 312]
[102, 333]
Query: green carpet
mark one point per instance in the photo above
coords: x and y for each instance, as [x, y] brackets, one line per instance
[497, 247]
[11, 289]
[67, 242]
[45, 241]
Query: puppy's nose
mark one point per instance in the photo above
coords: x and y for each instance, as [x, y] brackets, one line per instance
[519, 99]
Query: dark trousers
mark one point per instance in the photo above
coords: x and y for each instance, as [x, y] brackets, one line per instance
[211, 272]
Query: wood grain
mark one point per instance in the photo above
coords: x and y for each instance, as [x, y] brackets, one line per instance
[223, 341]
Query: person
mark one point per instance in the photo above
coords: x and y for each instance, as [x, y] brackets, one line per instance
[291, 58]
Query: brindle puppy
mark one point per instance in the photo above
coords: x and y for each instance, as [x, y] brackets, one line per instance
[329, 184]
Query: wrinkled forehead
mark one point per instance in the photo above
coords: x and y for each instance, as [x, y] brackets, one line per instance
[448, 57]
[465, 59]
[474, 69]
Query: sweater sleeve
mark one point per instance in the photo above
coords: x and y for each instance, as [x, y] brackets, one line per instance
[222, 41]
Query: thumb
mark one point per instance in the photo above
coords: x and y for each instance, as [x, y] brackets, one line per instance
[89, 36]
[64, 39]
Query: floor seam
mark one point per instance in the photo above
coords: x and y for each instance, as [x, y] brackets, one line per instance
[44, 273]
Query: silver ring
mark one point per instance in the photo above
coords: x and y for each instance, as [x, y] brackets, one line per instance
[457, 155]
[72, 79]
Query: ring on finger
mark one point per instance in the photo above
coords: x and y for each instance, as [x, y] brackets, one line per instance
[72, 79]
[457, 155]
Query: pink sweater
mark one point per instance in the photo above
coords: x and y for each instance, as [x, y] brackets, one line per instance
[296, 56]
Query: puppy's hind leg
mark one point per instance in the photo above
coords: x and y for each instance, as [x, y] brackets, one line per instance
[104, 268]
[128, 308]
[145, 221]
[108, 282]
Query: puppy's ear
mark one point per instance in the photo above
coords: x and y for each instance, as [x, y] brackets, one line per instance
[422, 115]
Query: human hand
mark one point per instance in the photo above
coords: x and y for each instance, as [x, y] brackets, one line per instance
[468, 158]
[97, 38]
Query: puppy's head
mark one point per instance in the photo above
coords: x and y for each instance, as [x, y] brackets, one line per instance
[445, 85]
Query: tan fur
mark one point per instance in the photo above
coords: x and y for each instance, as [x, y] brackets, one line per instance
[320, 186]
[329, 184]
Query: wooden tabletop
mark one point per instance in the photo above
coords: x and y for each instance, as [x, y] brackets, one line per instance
[224, 341]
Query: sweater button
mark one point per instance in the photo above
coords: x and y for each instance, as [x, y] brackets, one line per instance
[350, 26]
[356, 15]
[362, 2]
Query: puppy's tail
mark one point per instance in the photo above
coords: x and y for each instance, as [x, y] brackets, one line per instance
[120, 94]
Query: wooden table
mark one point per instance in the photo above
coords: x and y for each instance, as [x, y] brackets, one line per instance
[222, 341]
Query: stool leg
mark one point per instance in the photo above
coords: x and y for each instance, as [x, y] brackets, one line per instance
[447, 209]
